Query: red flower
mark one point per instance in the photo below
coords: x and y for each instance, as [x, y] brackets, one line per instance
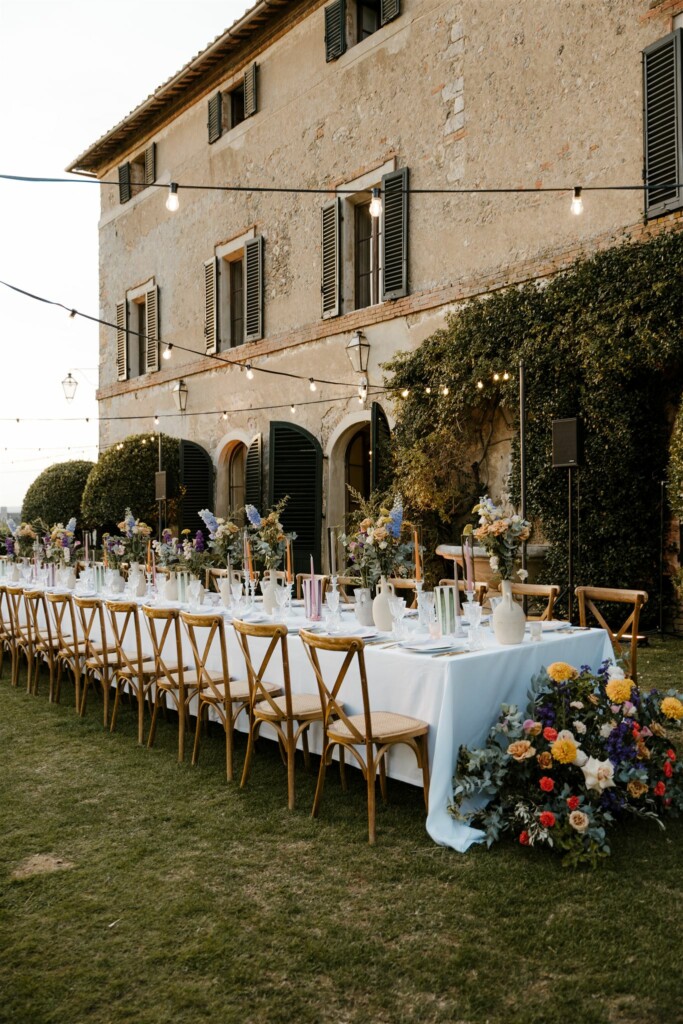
[547, 819]
[524, 838]
[660, 789]
[671, 754]
[547, 784]
[573, 803]
[550, 734]
[635, 731]
[668, 769]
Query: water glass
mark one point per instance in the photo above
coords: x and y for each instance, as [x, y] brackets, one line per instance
[397, 607]
[281, 599]
[474, 614]
[535, 631]
[475, 638]
[332, 600]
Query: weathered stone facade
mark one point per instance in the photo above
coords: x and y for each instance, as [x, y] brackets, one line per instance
[494, 93]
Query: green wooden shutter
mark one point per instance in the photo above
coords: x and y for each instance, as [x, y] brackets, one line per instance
[215, 123]
[151, 164]
[253, 474]
[196, 478]
[250, 96]
[395, 234]
[330, 284]
[152, 330]
[295, 469]
[389, 9]
[381, 470]
[211, 305]
[335, 30]
[662, 88]
[253, 289]
[121, 340]
[124, 183]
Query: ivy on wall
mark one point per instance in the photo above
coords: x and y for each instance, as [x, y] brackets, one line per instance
[603, 341]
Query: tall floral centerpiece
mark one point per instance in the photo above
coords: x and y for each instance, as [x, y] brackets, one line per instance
[269, 543]
[113, 550]
[224, 539]
[194, 557]
[168, 551]
[590, 750]
[60, 543]
[502, 535]
[136, 537]
[22, 540]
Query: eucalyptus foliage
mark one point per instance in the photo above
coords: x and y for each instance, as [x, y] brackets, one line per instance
[603, 341]
[55, 495]
[124, 478]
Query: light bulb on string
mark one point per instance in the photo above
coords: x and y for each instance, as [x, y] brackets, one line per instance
[172, 202]
[428, 391]
[312, 384]
[72, 314]
[225, 415]
[480, 385]
[250, 372]
[376, 203]
[506, 376]
[156, 421]
[496, 377]
[167, 351]
[405, 393]
[292, 409]
[445, 391]
[577, 201]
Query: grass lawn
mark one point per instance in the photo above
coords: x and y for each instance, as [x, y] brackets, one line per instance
[190, 900]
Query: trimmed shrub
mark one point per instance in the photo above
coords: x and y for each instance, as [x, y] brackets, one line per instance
[124, 478]
[56, 494]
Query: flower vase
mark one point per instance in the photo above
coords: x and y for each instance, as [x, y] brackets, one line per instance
[226, 592]
[269, 600]
[509, 620]
[171, 588]
[69, 579]
[15, 573]
[363, 598]
[381, 612]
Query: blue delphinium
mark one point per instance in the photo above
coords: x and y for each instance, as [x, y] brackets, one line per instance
[209, 520]
[395, 518]
[253, 516]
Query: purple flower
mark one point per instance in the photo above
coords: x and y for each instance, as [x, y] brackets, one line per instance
[166, 536]
[9, 544]
[65, 541]
[199, 541]
[210, 520]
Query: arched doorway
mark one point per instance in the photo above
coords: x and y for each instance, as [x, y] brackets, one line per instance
[357, 467]
[236, 478]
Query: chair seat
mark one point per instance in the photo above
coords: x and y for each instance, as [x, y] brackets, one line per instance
[190, 679]
[148, 669]
[385, 726]
[239, 691]
[304, 706]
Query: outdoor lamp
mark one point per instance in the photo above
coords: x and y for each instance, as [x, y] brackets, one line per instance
[376, 203]
[180, 393]
[69, 384]
[172, 202]
[577, 201]
[358, 351]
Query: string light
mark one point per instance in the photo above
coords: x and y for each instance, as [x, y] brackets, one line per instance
[480, 385]
[506, 376]
[167, 351]
[250, 372]
[156, 421]
[173, 202]
[405, 393]
[445, 391]
[376, 203]
[577, 201]
[225, 415]
[496, 377]
[312, 385]
[72, 314]
[292, 409]
[428, 390]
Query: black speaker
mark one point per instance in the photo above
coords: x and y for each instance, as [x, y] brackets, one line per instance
[566, 443]
[160, 485]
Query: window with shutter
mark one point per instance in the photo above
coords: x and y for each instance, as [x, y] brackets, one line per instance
[196, 478]
[253, 474]
[394, 240]
[124, 183]
[381, 471]
[152, 330]
[253, 288]
[151, 164]
[211, 306]
[215, 119]
[335, 30]
[121, 340]
[663, 92]
[250, 98]
[295, 469]
[390, 9]
[330, 284]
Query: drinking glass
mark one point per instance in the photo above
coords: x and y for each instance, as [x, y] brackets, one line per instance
[194, 591]
[397, 607]
[281, 598]
[236, 591]
[535, 630]
[332, 600]
[425, 606]
[474, 614]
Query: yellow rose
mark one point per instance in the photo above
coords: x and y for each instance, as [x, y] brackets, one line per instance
[560, 672]
[366, 524]
[521, 750]
[659, 730]
[636, 788]
[545, 761]
[619, 690]
[564, 751]
[672, 707]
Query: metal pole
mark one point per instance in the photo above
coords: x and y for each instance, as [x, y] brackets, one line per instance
[661, 555]
[522, 450]
[570, 550]
[160, 505]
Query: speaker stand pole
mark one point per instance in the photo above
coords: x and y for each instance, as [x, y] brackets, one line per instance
[522, 450]
[570, 546]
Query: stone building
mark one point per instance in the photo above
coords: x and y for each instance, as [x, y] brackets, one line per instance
[327, 101]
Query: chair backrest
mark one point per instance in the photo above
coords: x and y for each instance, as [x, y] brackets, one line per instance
[64, 620]
[6, 628]
[39, 619]
[16, 606]
[124, 617]
[203, 631]
[164, 630]
[548, 591]
[480, 588]
[405, 588]
[278, 575]
[346, 583]
[301, 576]
[277, 634]
[588, 596]
[214, 577]
[93, 622]
[351, 647]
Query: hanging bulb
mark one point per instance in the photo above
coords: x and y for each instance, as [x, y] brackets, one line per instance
[405, 393]
[225, 415]
[496, 377]
[428, 390]
[445, 391]
[312, 385]
[156, 421]
[172, 202]
[250, 372]
[167, 351]
[577, 201]
[292, 409]
[376, 203]
[72, 314]
[144, 440]
[506, 376]
[480, 385]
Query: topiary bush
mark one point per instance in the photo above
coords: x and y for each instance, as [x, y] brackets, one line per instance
[675, 474]
[56, 494]
[124, 478]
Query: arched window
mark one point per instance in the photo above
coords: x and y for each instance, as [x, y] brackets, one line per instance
[357, 466]
[236, 477]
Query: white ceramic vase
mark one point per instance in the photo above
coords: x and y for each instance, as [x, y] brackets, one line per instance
[381, 613]
[225, 592]
[364, 606]
[508, 618]
[269, 600]
[171, 588]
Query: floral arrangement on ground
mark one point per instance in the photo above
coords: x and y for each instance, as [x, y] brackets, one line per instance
[592, 749]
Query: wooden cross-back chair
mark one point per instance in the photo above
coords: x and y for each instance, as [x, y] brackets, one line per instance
[345, 583]
[44, 642]
[22, 644]
[216, 690]
[134, 670]
[590, 597]
[71, 649]
[101, 653]
[301, 576]
[172, 679]
[374, 732]
[290, 714]
[214, 578]
[6, 630]
[405, 588]
[549, 591]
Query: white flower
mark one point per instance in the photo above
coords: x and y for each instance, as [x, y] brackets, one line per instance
[565, 734]
[606, 729]
[493, 562]
[523, 574]
[581, 758]
[598, 774]
[614, 672]
[578, 704]
[579, 727]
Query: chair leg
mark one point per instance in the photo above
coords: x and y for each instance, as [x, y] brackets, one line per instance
[248, 756]
[77, 688]
[117, 694]
[291, 765]
[371, 804]
[84, 693]
[181, 728]
[425, 770]
[153, 723]
[141, 713]
[304, 742]
[229, 734]
[197, 733]
[106, 686]
[342, 769]
[58, 684]
[321, 782]
[383, 778]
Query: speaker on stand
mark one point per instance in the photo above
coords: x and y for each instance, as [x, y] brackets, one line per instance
[567, 455]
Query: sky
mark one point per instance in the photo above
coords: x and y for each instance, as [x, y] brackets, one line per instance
[69, 71]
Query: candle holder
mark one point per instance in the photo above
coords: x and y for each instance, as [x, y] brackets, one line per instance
[151, 590]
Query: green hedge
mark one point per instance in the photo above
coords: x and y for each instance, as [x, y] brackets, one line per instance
[675, 481]
[603, 341]
[56, 494]
[124, 478]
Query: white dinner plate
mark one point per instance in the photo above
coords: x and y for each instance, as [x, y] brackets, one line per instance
[429, 646]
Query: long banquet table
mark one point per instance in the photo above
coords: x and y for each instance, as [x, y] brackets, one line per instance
[459, 696]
